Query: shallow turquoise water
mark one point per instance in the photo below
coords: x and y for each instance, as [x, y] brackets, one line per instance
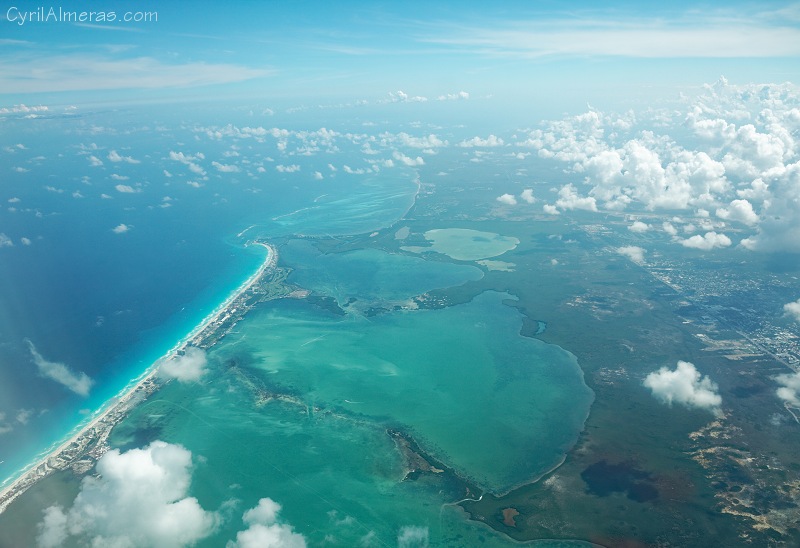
[370, 274]
[337, 476]
[355, 206]
[497, 407]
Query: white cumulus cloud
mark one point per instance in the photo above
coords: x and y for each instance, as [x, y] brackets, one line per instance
[460, 96]
[527, 196]
[126, 189]
[685, 386]
[490, 141]
[194, 168]
[265, 531]
[569, 199]
[790, 388]
[413, 536]
[52, 528]
[403, 97]
[427, 142]
[138, 498]
[639, 227]
[24, 109]
[739, 210]
[189, 161]
[80, 383]
[740, 163]
[184, 158]
[779, 225]
[793, 309]
[115, 156]
[186, 368]
[634, 253]
[710, 240]
[550, 209]
[121, 228]
[225, 168]
[407, 160]
[507, 199]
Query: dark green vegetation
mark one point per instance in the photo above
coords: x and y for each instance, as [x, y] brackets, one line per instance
[642, 473]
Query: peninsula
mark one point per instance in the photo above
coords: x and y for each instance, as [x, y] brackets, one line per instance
[89, 442]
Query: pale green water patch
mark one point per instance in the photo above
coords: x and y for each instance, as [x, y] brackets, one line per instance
[416, 249]
[355, 206]
[370, 274]
[497, 407]
[500, 266]
[402, 233]
[465, 244]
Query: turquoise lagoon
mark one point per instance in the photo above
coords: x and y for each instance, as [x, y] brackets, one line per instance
[497, 408]
[370, 274]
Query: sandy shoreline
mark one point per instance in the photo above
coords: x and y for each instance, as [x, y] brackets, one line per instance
[88, 443]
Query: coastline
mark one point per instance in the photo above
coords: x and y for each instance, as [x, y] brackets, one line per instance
[88, 442]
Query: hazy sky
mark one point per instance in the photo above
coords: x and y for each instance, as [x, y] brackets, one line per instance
[521, 51]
